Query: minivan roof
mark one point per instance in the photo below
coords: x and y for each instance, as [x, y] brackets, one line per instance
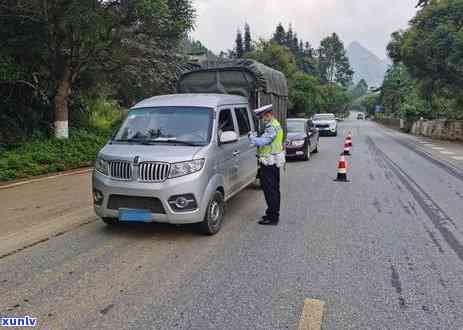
[191, 100]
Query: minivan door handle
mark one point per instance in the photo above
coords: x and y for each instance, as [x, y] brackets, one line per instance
[236, 153]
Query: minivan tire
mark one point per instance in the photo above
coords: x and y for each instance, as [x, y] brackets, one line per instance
[214, 215]
[110, 221]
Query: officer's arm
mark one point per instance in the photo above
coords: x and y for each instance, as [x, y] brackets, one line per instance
[266, 138]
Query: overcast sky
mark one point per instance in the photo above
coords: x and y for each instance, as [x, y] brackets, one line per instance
[368, 21]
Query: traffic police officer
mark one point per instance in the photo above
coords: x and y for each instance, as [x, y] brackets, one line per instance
[271, 156]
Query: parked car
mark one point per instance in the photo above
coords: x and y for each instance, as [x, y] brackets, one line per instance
[302, 138]
[326, 123]
[176, 159]
[360, 116]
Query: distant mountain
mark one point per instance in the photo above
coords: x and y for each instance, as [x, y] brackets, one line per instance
[366, 65]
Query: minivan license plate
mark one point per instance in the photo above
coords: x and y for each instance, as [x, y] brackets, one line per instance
[126, 215]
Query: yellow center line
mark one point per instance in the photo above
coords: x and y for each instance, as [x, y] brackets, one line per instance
[312, 315]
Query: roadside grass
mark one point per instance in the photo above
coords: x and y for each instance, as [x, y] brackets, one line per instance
[45, 155]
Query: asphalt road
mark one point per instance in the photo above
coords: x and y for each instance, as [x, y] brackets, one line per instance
[384, 251]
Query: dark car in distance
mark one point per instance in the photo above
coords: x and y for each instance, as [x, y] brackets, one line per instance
[302, 138]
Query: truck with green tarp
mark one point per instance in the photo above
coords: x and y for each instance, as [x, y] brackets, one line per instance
[257, 82]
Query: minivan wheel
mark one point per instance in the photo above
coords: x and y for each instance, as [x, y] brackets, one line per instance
[110, 221]
[214, 216]
[307, 153]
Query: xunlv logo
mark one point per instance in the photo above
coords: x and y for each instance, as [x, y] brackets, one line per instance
[25, 321]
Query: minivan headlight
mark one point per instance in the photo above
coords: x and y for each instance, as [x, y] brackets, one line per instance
[101, 165]
[185, 168]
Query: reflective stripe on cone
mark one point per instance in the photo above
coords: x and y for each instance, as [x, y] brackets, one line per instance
[342, 170]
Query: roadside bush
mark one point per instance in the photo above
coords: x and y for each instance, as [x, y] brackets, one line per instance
[97, 113]
[47, 155]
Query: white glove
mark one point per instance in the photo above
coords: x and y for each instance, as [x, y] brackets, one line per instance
[252, 135]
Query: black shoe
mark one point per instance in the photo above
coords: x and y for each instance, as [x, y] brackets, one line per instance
[268, 222]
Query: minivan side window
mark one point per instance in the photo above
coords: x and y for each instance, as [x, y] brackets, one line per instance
[243, 120]
[226, 123]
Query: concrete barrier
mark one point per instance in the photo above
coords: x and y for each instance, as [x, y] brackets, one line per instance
[390, 122]
[439, 129]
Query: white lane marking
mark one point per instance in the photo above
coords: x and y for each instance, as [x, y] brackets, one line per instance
[312, 315]
[458, 158]
[437, 148]
[447, 153]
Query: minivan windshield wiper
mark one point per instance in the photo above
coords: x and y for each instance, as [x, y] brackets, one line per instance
[128, 140]
[160, 140]
[187, 143]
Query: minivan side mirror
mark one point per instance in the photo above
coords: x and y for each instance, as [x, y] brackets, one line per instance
[228, 137]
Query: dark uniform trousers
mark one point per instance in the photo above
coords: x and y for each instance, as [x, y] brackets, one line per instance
[270, 182]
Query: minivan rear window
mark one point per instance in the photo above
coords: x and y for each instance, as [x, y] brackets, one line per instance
[185, 125]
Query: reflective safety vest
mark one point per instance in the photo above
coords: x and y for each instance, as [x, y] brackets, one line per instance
[276, 147]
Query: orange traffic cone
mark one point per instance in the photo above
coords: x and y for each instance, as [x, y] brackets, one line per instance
[346, 151]
[349, 140]
[342, 170]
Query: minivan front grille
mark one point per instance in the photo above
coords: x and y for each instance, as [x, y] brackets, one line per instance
[120, 169]
[153, 171]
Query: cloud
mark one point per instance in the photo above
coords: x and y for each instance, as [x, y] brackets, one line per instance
[368, 21]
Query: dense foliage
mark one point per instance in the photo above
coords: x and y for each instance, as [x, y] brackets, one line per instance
[54, 51]
[46, 155]
[427, 77]
[318, 78]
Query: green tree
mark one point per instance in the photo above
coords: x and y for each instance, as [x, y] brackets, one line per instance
[280, 35]
[432, 51]
[275, 56]
[239, 46]
[333, 62]
[432, 48]
[305, 94]
[69, 39]
[247, 39]
[289, 38]
[360, 89]
[394, 46]
[369, 102]
[335, 98]
[400, 95]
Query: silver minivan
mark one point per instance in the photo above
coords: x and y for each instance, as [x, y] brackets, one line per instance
[176, 159]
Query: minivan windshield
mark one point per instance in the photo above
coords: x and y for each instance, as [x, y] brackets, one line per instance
[324, 117]
[176, 125]
[296, 126]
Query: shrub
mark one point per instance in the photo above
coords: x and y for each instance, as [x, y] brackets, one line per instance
[47, 155]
